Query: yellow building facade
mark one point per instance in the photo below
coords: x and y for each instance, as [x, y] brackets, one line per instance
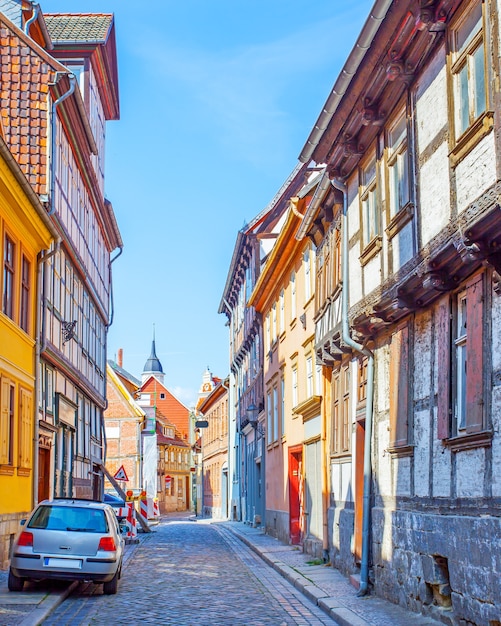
[25, 230]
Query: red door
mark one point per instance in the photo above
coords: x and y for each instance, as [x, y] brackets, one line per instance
[43, 473]
[295, 493]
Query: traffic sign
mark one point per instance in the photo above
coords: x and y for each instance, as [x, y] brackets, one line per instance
[121, 475]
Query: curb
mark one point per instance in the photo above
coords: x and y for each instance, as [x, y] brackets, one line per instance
[47, 606]
[330, 605]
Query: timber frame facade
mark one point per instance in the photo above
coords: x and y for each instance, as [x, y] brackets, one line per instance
[408, 306]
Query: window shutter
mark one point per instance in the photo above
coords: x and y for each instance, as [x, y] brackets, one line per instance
[443, 339]
[474, 354]
[399, 387]
[26, 426]
[4, 421]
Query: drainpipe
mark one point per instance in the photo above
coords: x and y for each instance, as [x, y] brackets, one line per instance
[347, 339]
[36, 11]
[52, 147]
[325, 488]
[39, 332]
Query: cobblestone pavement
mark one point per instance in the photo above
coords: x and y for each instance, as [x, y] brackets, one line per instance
[187, 573]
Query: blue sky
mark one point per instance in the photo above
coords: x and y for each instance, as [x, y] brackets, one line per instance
[217, 100]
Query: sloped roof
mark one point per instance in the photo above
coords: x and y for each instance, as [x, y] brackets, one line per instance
[81, 27]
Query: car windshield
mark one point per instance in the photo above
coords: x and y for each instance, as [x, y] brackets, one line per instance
[72, 519]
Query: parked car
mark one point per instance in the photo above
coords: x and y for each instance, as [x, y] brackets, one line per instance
[113, 500]
[68, 539]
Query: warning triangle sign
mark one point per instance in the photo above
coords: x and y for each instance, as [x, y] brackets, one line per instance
[121, 475]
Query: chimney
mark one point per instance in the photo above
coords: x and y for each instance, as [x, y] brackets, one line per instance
[120, 357]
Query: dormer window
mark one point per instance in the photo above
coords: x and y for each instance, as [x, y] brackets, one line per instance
[77, 68]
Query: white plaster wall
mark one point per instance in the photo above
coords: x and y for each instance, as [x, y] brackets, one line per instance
[341, 481]
[383, 473]
[470, 471]
[353, 207]
[401, 470]
[496, 394]
[336, 480]
[387, 539]
[382, 379]
[441, 482]
[476, 172]
[421, 453]
[355, 276]
[422, 355]
[434, 191]
[431, 102]
[372, 274]
[496, 443]
[347, 491]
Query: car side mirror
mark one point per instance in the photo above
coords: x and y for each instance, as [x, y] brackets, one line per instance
[22, 522]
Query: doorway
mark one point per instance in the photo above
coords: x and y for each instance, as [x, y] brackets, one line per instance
[43, 474]
[295, 494]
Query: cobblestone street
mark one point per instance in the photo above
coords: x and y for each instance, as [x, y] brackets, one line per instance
[192, 573]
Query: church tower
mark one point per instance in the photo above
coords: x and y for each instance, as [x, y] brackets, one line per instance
[153, 367]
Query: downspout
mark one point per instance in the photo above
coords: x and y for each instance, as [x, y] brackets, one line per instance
[103, 429]
[325, 486]
[36, 11]
[347, 339]
[52, 147]
[39, 332]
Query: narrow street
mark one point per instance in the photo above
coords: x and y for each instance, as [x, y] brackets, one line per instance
[192, 573]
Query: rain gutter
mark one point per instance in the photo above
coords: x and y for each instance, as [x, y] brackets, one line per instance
[342, 84]
[349, 341]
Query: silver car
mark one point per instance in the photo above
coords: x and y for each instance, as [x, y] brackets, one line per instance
[68, 539]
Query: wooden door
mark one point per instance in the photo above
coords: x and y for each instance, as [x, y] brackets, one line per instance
[295, 494]
[43, 474]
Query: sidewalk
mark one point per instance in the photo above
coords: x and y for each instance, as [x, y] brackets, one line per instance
[38, 600]
[324, 585]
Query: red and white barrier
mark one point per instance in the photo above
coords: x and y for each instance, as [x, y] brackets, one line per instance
[143, 507]
[131, 521]
[156, 510]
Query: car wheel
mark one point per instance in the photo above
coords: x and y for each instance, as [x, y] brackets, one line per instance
[15, 583]
[111, 587]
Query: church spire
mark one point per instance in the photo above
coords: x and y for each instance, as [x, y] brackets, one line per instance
[153, 367]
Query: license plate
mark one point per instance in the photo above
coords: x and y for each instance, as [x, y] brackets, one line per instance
[63, 563]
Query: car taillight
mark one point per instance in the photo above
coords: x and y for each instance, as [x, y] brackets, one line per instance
[107, 544]
[25, 539]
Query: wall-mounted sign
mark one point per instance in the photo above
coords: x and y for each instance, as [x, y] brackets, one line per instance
[201, 424]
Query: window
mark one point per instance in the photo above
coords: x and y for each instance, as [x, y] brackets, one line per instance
[369, 201]
[294, 387]
[274, 434]
[8, 277]
[468, 68]
[399, 387]
[307, 273]
[282, 311]
[398, 165]
[282, 406]
[461, 368]
[269, 415]
[460, 337]
[293, 296]
[309, 376]
[274, 322]
[25, 310]
[340, 410]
